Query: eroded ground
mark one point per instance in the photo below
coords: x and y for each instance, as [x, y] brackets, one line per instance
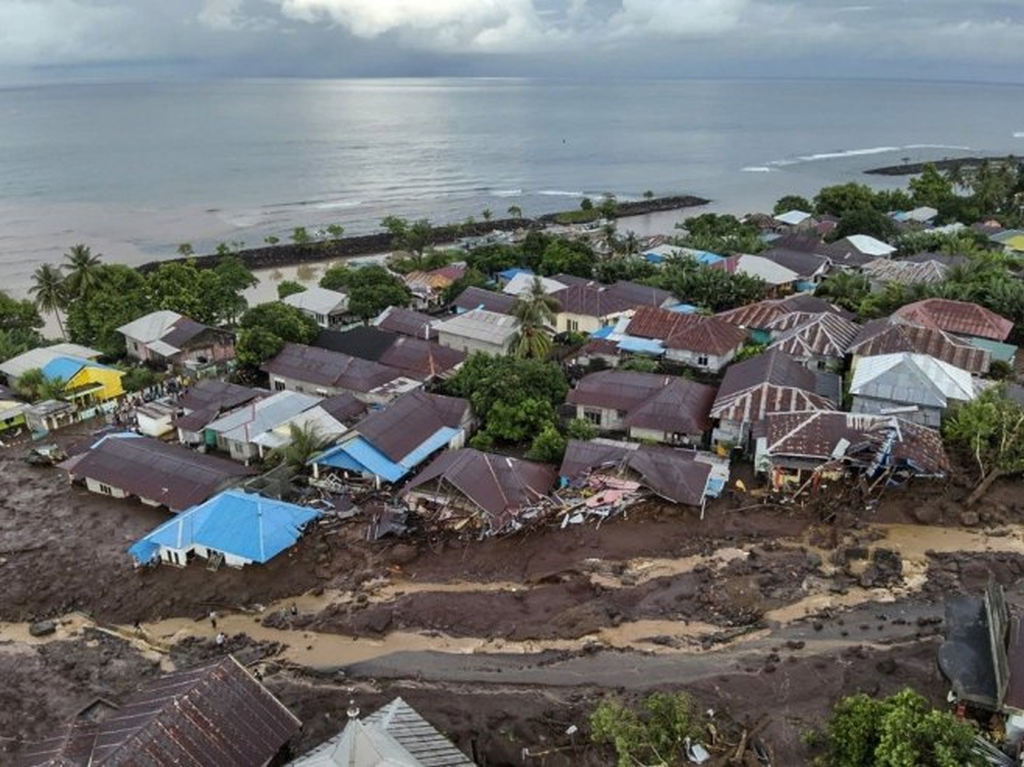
[506, 643]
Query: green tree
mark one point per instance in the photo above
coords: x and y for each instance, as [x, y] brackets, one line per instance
[371, 289]
[586, 204]
[50, 292]
[656, 734]
[335, 231]
[648, 195]
[514, 211]
[899, 731]
[139, 377]
[304, 442]
[289, 288]
[608, 206]
[300, 236]
[491, 259]
[271, 240]
[536, 314]
[267, 327]
[412, 237]
[235, 274]
[609, 270]
[865, 221]
[120, 298]
[712, 289]
[792, 202]
[844, 289]
[581, 428]
[471, 278]
[567, 256]
[930, 188]
[84, 273]
[989, 429]
[841, 199]
[34, 386]
[487, 214]
[548, 446]
[19, 326]
[185, 249]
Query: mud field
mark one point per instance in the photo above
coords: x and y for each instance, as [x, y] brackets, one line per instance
[504, 644]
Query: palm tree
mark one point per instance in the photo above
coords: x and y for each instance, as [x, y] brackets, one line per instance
[536, 314]
[83, 270]
[515, 211]
[487, 213]
[49, 292]
[305, 442]
[844, 289]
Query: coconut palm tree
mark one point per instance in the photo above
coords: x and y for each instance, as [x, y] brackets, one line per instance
[305, 442]
[536, 314]
[515, 211]
[487, 214]
[49, 292]
[83, 270]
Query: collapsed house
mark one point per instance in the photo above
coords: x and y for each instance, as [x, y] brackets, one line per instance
[128, 465]
[815, 445]
[235, 528]
[611, 475]
[394, 735]
[214, 714]
[469, 490]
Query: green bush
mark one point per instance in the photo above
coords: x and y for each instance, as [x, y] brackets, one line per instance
[653, 735]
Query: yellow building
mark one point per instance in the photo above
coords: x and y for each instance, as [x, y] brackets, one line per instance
[86, 383]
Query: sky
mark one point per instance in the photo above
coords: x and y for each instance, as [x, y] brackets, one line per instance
[921, 39]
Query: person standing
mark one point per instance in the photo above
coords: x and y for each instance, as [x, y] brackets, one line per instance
[213, 618]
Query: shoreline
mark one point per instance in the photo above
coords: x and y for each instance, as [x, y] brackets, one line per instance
[947, 163]
[285, 254]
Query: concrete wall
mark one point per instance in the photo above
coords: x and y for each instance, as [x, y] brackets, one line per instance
[470, 345]
[94, 486]
[611, 420]
[926, 416]
[666, 437]
[687, 357]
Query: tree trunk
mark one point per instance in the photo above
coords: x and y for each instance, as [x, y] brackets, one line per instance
[983, 486]
[60, 324]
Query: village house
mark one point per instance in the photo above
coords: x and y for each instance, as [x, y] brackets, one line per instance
[470, 490]
[234, 528]
[522, 284]
[127, 465]
[327, 308]
[480, 298]
[794, 218]
[12, 414]
[809, 267]
[916, 387]
[300, 368]
[235, 433]
[317, 421]
[921, 215]
[49, 415]
[204, 402]
[771, 382]
[885, 271]
[86, 383]
[156, 419]
[395, 735]
[37, 359]
[427, 288]
[973, 324]
[780, 279]
[213, 713]
[416, 358]
[388, 444]
[891, 334]
[817, 341]
[796, 446]
[678, 476]
[168, 338]
[647, 406]
[479, 330]
[706, 343]
[406, 322]
[588, 307]
[853, 252]
[759, 318]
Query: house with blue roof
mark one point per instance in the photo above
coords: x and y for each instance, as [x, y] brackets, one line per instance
[388, 444]
[243, 528]
[86, 382]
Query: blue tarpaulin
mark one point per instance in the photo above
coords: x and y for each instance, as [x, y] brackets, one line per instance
[637, 345]
[359, 455]
[683, 308]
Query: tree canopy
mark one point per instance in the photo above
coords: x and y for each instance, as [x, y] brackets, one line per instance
[287, 288]
[792, 202]
[654, 733]
[267, 327]
[371, 289]
[712, 289]
[19, 326]
[990, 430]
[899, 731]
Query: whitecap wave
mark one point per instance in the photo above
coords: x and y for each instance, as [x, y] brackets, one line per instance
[559, 193]
[938, 146]
[507, 192]
[756, 169]
[337, 204]
[1018, 134]
[835, 155]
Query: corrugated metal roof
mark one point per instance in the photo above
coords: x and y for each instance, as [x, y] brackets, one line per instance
[761, 268]
[396, 735]
[956, 317]
[257, 417]
[233, 522]
[409, 421]
[768, 383]
[421, 359]
[318, 301]
[174, 476]
[804, 263]
[912, 379]
[481, 325]
[824, 335]
[406, 322]
[792, 217]
[150, 327]
[479, 298]
[522, 284]
[321, 367]
[216, 714]
[760, 315]
[890, 335]
[38, 358]
[365, 341]
[681, 407]
[905, 272]
[322, 423]
[870, 246]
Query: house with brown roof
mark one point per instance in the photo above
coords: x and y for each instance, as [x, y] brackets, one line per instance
[481, 298]
[468, 490]
[127, 465]
[322, 372]
[819, 342]
[588, 307]
[797, 445]
[759, 318]
[647, 406]
[169, 338]
[204, 402]
[388, 444]
[702, 342]
[406, 322]
[417, 358]
[853, 252]
[427, 288]
[678, 476]
[217, 713]
[885, 271]
[960, 318]
[772, 382]
[893, 334]
[807, 265]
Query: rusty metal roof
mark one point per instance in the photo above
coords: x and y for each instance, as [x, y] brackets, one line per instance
[891, 335]
[406, 322]
[171, 475]
[760, 315]
[421, 359]
[959, 317]
[821, 335]
[216, 715]
[480, 298]
[691, 332]
[681, 407]
[769, 383]
[321, 367]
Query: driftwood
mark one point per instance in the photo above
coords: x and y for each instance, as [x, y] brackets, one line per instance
[22, 549]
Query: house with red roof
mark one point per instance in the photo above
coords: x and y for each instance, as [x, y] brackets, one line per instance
[702, 342]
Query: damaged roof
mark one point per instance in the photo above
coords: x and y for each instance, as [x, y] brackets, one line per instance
[168, 474]
[890, 335]
[820, 335]
[674, 475]
[213, 714]
[321, 367]
[500, 486]
[959, 317]
[821, 435]
[650, 400]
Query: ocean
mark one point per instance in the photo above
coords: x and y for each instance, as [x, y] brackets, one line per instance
[133, 169]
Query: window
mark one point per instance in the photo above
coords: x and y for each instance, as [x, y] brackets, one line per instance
[322, 393]
[106, 489]
[821, 364]
[702, 360]
[594, 416]
[279, 385]
[572, 325]
[320, 319]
